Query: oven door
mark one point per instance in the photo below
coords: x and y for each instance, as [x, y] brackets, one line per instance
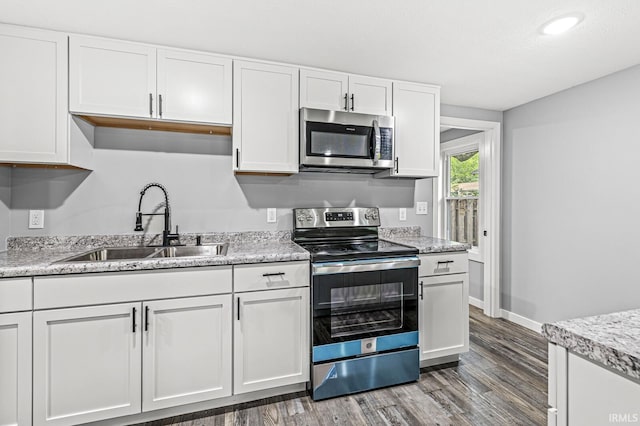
[362, 301]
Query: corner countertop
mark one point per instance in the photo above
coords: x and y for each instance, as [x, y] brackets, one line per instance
[427, 245]
[612, 340]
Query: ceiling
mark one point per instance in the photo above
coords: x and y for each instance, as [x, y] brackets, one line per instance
[487, 54]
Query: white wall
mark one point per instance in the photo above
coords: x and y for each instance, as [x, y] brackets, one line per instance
[204, 193]
[571, 201]
[5, 205]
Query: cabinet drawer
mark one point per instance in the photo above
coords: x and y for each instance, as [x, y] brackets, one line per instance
[100, 288]
[15, 294]
[441, 264]
[267, 276]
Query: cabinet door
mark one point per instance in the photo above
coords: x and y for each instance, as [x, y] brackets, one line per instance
[187, 351]
[194, 87]
[444, 315]
[324, 90]
[33, 105]
[86, 364]
[271, 339]
[111, 77]
[369, 95]
[265, 118]
[416, 109]
[15, 369]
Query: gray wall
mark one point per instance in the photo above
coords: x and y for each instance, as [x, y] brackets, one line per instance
[204, 193]
[476, 280]
[5, 205]
[571, 207]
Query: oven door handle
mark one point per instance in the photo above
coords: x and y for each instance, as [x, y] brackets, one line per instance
[326, 268]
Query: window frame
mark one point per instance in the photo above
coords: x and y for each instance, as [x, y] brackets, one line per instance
[447, 149]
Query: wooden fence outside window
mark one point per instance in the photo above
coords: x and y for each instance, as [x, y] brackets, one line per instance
[463, 220]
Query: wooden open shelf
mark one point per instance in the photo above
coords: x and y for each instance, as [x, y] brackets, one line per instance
[165, 126]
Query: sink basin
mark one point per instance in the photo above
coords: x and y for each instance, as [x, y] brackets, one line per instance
[132, 253]
[184, 251]
[114, 253]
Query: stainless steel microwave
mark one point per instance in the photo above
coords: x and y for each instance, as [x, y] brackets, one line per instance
[345, 141]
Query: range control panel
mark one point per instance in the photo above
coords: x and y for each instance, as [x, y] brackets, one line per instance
[338, 216]
[329, 217]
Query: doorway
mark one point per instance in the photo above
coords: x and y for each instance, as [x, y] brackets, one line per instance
[467, 201]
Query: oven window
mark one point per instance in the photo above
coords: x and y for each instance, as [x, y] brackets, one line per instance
[366, 309]
[339, 145]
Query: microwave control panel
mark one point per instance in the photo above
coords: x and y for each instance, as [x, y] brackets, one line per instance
[386, 143]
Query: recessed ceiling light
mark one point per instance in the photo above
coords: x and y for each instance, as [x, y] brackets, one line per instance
[562, 24]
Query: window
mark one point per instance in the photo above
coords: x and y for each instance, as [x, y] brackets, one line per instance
[461, 191]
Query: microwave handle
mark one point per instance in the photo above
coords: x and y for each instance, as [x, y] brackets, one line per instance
[376, 142]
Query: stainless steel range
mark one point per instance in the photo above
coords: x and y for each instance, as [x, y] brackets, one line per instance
[364, 302]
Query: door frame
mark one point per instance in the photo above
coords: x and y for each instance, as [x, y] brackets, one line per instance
[491, 153]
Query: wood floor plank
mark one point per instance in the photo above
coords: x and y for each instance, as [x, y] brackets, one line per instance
[502, 380]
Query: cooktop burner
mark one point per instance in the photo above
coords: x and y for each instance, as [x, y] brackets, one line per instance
[345, 250]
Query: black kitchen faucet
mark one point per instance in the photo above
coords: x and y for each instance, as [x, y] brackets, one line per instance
[167, 236]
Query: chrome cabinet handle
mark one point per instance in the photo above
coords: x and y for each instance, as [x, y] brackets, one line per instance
[150, 105]
[376, 142]
[133, 327]
[353, 102]
[160, 105]
[346, 102]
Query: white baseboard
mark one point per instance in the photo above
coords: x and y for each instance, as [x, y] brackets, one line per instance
[523, 321]
[476, 302]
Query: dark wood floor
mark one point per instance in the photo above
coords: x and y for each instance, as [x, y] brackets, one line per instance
[502, 380]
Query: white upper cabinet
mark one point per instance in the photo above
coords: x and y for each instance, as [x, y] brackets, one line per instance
[370, 95]
[33, 105]
[416, 109]
[111, 77]
[116, 78]
[265, 118]
[324, 90]
[194, 87]
[344, 92]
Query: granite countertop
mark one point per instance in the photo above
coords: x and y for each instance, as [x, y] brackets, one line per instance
[31, 256]
[38, 256]
[611, 339]
[429, 244]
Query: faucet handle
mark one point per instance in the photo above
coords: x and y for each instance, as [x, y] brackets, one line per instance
[198, 240]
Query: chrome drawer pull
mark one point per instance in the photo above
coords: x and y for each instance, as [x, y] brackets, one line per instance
[274, 274]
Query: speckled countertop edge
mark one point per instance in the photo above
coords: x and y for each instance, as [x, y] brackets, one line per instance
[35, 256]
[612, 340]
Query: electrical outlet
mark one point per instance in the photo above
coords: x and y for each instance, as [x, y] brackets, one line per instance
[36, 219]
[422, 207]
[402, 213]
[271, 215]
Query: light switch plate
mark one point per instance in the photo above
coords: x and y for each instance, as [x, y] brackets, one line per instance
[402, 213]
[271, 215]
[422, 207]
[36, 219]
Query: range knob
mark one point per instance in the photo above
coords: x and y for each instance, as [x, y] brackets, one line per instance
[371, 214]
[303, 217]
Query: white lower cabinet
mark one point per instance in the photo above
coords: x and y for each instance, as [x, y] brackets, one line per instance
[443, 312]
[15, 369]
[271, 330]
[86, 363]
[187, 351]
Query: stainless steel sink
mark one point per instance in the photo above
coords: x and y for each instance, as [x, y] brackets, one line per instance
[133, 253]
[185, 251]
